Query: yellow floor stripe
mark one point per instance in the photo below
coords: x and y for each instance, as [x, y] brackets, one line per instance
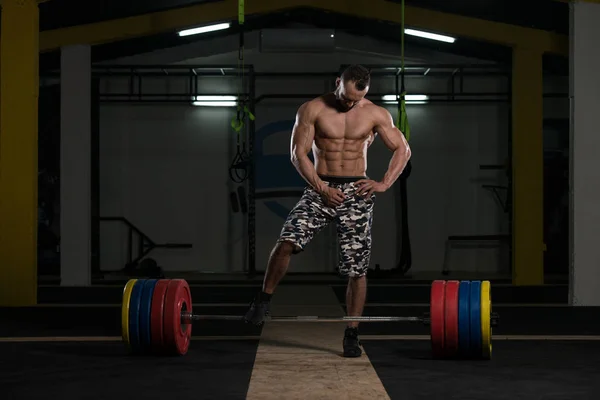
[304, 361]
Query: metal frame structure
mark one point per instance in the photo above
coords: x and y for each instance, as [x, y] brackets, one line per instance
[456, 74]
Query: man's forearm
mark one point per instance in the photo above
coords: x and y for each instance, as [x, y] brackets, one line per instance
[396, 166]
[306, 169]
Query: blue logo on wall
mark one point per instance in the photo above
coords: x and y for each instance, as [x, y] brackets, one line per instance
[275, 171]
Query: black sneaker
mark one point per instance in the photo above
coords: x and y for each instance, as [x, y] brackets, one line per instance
[258, 312]
[352, 343]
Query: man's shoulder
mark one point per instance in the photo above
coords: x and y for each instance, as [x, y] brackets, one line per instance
[313, 106]
[318, 102]
[373, 109]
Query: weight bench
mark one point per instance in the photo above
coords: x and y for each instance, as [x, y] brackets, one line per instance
[478, 239]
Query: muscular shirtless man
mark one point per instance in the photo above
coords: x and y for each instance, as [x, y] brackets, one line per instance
[338, 127]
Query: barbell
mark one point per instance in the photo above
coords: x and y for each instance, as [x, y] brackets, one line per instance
[157, 317]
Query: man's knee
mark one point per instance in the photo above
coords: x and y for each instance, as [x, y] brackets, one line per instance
[284, 249]
[358, 276]
[355, 275]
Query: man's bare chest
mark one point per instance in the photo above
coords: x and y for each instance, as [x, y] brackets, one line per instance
[351, 125]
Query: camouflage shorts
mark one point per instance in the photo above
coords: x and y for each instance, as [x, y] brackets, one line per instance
[353, 220]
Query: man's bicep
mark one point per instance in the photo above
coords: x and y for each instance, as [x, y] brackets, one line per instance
[389, 133]
[303, 132]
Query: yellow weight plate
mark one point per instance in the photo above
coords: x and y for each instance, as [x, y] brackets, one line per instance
[486, 326]
[125, 310]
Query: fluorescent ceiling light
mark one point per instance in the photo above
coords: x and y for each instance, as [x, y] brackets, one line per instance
[204, 29]
[409, 98]
[428, 35]
[216, 98]
[215, 103]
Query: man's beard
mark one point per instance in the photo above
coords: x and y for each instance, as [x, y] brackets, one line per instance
[338, 103]
[342, 107]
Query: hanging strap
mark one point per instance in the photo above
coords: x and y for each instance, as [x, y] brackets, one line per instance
[241, 12]
[238, 171]
[243, 112]
[402, 116]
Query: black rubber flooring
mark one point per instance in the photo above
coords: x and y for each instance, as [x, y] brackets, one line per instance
[87, 371]
[514, 320]
[525, 370]
[105, 321]
[222, 370]
[535, 369]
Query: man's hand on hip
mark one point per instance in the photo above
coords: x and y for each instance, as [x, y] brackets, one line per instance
[332, 197]
[366, 187]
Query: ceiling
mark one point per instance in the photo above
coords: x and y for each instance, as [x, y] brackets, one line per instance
[549, 15]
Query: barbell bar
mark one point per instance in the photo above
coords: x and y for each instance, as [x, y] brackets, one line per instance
[157, 318]
[186, 318]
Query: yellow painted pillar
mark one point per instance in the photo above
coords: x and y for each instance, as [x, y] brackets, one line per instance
[527, 167]
[19, 53]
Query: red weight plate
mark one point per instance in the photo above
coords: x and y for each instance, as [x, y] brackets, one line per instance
[436, 314]
[451, 318]
[157, 315]
[177, 335]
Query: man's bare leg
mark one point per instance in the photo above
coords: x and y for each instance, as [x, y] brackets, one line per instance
[279, 260]
[356, 294]
[277, 266]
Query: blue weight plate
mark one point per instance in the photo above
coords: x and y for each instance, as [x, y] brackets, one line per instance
[475, 319]
[464, 316]
[134, 316]
[145, 308]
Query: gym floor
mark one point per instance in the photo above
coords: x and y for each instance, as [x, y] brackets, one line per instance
[72, 349]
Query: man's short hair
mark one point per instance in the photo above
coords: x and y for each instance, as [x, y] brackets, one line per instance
[358, 74]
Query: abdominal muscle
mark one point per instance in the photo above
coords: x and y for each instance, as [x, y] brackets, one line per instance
[340, 157]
